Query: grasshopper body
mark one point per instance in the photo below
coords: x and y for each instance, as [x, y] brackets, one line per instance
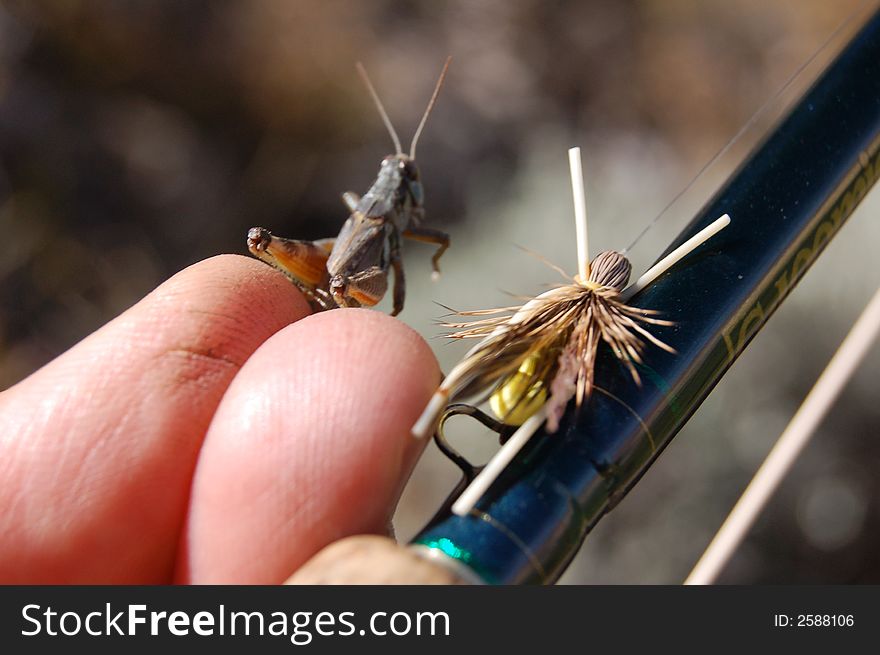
[352, 269]
[369, 242]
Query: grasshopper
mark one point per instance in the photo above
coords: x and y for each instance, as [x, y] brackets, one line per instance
[352, 269]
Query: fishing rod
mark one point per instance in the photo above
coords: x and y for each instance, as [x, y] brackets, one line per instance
[788, 199]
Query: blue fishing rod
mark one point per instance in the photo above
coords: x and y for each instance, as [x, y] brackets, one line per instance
[787, 200]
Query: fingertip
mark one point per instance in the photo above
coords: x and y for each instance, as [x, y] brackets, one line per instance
[258, 291]
[310, 444]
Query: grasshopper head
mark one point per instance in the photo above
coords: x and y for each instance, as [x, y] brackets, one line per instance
[409, 177]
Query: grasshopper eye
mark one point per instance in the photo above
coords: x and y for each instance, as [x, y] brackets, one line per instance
[410, 170]
[415, 190]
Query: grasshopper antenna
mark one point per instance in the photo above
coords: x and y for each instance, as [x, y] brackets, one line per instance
[363, 73]
[415, 140]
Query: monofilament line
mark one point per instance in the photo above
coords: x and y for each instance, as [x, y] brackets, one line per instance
[823, 394]
[475, 490]
[748, 124]
[580, 212]
[674, 257]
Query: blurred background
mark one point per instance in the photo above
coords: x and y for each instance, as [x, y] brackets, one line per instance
[137, 138]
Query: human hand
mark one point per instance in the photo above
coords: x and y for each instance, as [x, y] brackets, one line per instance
[213, 433]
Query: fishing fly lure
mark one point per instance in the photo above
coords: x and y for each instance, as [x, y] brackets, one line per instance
[352, 269]
[533, 359]
[543, 353]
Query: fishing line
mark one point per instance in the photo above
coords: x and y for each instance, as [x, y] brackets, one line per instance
[762, 110]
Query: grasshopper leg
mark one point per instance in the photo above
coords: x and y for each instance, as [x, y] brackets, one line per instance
[363, 289]
[399, 281]
[303, 262]
[430, 235]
